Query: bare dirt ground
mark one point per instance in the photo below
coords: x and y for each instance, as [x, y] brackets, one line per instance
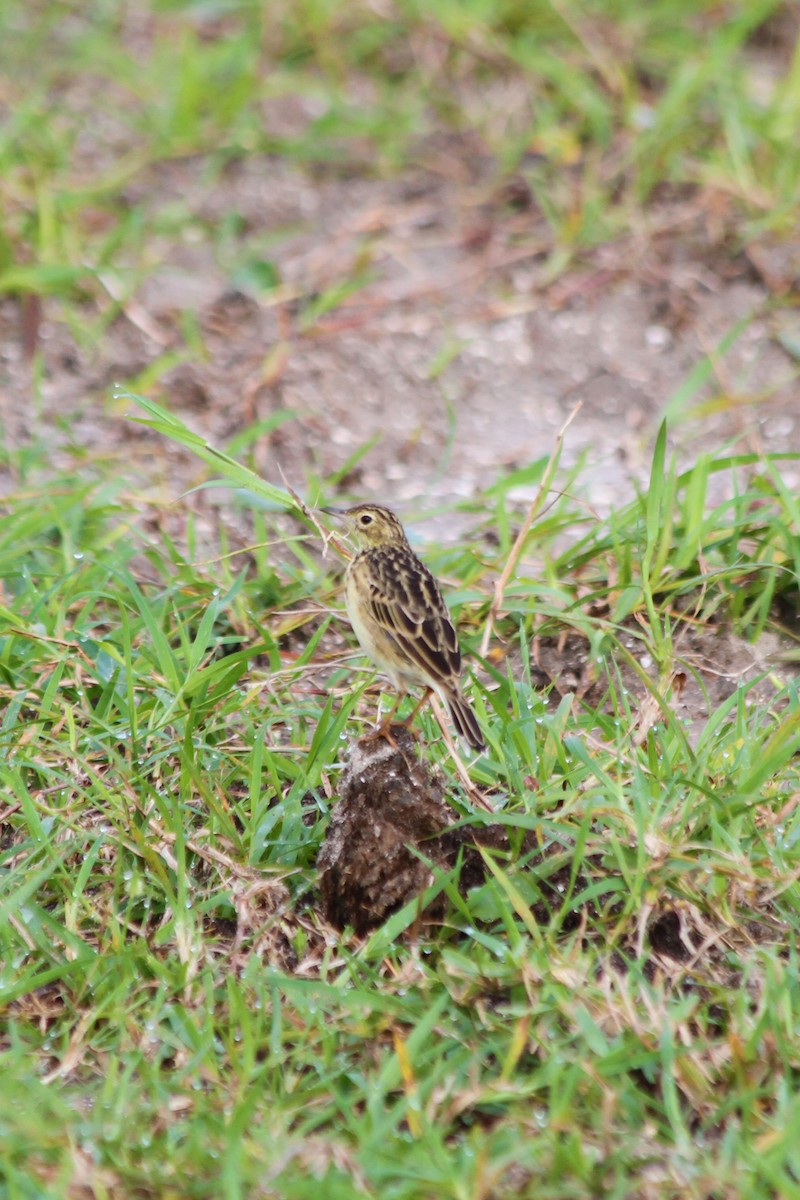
[456, 352]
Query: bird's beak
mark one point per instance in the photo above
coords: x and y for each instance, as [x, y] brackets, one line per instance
[333, 512]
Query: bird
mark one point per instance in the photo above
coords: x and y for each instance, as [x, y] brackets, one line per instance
[399, 617]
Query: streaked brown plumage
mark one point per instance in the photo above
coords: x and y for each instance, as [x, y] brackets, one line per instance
[398, 614]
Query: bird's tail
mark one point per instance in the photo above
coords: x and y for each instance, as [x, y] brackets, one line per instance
[464, 719]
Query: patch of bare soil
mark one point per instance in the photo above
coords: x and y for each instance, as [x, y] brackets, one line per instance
[456, 351]
[710, 663]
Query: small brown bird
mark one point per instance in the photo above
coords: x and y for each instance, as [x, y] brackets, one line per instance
[399, 617]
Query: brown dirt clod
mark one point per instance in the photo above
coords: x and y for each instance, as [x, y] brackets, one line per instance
[391, 811]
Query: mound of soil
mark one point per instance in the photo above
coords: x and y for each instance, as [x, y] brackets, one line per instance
[390, 831]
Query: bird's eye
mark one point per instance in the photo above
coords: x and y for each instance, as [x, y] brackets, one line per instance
[366, 519]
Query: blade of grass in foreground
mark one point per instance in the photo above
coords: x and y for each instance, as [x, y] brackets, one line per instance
[172, 427]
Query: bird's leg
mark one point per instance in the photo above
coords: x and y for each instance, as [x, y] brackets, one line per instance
[385, 724]
[387, 720]
[426, 695]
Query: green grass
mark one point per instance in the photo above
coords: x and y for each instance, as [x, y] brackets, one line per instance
[180, 1021]
[176, 1018]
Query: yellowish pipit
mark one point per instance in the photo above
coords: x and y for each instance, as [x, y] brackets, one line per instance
[399, 617]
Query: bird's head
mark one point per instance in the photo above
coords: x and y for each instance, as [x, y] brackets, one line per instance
[370, 525]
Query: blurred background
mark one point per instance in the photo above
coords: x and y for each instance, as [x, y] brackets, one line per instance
[391, 245]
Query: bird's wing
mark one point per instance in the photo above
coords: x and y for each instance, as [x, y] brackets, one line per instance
[405, 601]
